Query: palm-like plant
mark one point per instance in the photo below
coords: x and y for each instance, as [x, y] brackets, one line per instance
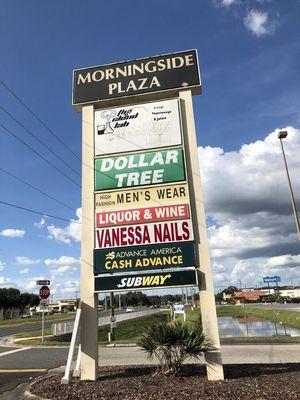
[173, 342]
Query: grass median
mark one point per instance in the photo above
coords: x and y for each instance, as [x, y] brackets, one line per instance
[35, 320]
[129, 331]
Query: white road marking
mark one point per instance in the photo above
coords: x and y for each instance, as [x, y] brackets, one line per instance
[6, 353]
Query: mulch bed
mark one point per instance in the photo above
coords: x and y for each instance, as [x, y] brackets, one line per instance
[242, 382]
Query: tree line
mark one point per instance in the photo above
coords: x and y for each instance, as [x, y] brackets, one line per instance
[13, 298]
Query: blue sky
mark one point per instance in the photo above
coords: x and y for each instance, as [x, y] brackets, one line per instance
[250, 63]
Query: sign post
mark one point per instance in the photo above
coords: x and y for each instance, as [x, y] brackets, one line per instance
[143, 218]
[44, 294]
[89, 314]
[207, 297]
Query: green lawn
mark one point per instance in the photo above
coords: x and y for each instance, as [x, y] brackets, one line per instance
[126, 332]
[35, 320]
[130, 331]
[289, 318]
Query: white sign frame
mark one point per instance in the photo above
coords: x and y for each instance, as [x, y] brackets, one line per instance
[137, 127]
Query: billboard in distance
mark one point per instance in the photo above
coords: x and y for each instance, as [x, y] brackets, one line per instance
[138, 127]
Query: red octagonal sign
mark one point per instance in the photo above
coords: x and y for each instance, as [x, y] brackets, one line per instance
[44, 292]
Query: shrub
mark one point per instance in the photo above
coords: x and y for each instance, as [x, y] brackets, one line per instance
[172, 343]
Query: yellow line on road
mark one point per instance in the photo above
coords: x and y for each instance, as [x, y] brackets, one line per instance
[4, 371]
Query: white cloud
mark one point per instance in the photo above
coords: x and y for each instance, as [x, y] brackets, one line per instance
[4, 281]
[2, 265]
[21, 260]
[246, 196]
[259, 23]
[41, 224]
[63, 260]
[227, 3]
[286, 260]
[24, 271]
[13, 233]
[72, 232]
[63, 270]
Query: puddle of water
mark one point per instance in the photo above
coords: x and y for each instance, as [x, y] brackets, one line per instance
[252, 326]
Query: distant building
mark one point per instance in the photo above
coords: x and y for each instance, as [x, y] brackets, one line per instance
[249, 296]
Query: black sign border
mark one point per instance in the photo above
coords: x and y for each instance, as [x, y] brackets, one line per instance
[196, 89]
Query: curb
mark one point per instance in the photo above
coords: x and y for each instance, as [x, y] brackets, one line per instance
[30, 396]
[27, 395]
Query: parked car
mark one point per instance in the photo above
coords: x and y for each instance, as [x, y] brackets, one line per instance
[129, 309]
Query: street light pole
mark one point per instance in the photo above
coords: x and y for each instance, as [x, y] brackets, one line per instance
[283, 135]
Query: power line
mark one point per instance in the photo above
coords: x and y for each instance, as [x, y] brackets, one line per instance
[39, 155]
[39, 140]
[38, 118]
[38, 212]
[35, 188]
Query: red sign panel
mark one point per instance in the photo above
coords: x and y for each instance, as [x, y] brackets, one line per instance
[44, 292]
[142, 215]
[132, 235]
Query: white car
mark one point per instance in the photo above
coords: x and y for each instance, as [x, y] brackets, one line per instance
[129, 309]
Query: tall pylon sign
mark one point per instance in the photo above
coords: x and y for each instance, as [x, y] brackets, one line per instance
[143, 218]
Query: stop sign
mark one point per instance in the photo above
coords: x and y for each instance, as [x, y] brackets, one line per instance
[44, 292]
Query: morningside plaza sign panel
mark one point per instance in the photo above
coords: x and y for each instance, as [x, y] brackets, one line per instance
[164, 73]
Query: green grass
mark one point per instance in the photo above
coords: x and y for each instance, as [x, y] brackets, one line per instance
[289, 318]
[129, 331]
[34, 320]
[126, 332]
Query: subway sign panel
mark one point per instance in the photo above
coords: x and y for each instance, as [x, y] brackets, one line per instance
[144, 258]
[141, 197]
[168, 72]
[153, 280]
[139, 169]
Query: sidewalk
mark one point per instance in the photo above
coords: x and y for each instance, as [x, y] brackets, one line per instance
[232, 354]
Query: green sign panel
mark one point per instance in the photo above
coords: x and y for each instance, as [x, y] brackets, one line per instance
[139, 169]
[144, 258]
[155, 280]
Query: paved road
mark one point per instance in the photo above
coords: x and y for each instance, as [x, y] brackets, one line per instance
[276, 306]
[19, 365]
[12, 330]
[37, 361]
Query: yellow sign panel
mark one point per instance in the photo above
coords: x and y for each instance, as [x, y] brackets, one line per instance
[158, 195]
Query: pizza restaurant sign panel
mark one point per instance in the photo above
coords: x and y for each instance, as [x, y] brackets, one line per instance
[133, 235]
[141, 197]
[145, 281]
[140, 169]
[137, 127]
[144, 258]
[168, 72]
